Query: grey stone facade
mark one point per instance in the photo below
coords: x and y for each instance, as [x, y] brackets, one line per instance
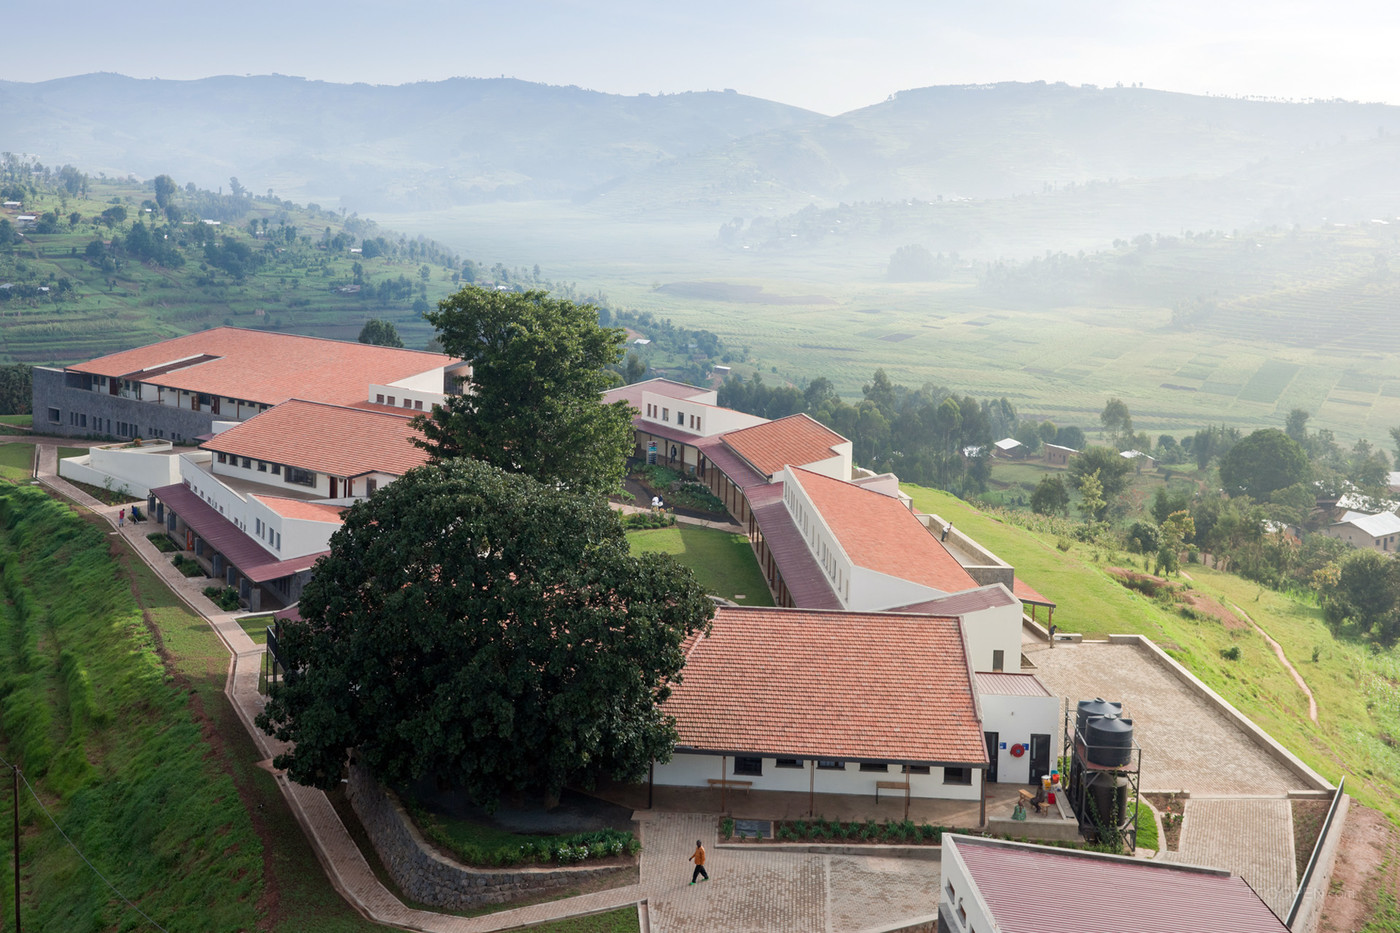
[427, 877]
[84, 413]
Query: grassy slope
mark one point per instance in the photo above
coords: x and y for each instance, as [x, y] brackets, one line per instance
[722, 562]
[144, 763]
[1356, 690]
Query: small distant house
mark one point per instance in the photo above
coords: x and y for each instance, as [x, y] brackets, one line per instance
[13, 205]
[25, 220]
[1055, 455]
[1008, 448]
[1141, 461]
[721, 370]
[640, 342]
[970, 453]
[1392, 482]
[212, 223]
[1377, 532]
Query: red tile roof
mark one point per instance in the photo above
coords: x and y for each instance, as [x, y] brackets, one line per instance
[243, 551]
[300, 508]
[632, 394]
[1027, 594]
[880, 534]
[796, 440]
[1002, 683]
[265, 367]
[1032, 889]
[851, 685]
[730, 464]
[806, 582]
[331, 439]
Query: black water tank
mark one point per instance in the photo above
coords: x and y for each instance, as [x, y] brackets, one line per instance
[1108, 800]
[1109, 741]
[1091, 708]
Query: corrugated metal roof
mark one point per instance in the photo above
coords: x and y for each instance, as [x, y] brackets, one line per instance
[852, 685]
[1005, 684]
[956, 604]
[731, 464]
[632, 394]
[1032, 889]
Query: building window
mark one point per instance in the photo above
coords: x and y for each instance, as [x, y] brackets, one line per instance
[370, 486]
[998, 660]
[55, 416]
[82, 420]
[680, 418]
[788, 762]
[277, 469]
[830, 764]
[379, 398]
[957, 775]
[882, 767]
[390, 401]
[418, 404]
[300, 477]
[262, 466]
[279, 540]
[746, 765]
[916, 769]
[697, 425]
[247, 463]
[665, 414]
[223, 457]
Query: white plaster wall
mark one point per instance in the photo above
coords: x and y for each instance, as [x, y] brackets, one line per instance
[429, 381]
[689, 770]
[1014, 719]
[429, 396]
[131, 468]
[276, 483]
[837, 466]
[300, 536]
[957, 893]
[871, 591]
[988, 630]
[713, 419]
[840, 571]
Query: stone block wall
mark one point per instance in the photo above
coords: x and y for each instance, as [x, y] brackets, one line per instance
[424, 875]
[51, 391]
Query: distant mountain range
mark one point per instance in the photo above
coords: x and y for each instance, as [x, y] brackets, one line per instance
[463, 141]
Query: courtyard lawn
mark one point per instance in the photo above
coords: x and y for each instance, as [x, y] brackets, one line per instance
[723, 562]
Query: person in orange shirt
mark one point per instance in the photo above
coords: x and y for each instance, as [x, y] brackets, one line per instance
[698, 857]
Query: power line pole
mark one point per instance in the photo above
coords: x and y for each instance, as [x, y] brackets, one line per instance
[16, 804]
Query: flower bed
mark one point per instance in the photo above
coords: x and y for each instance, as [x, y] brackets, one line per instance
[494, 849]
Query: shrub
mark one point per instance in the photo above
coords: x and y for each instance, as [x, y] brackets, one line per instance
[726, 828]
[162, 542]
[1231, 653]
[225, 597]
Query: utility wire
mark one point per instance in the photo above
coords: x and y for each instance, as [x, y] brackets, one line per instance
[74, 847]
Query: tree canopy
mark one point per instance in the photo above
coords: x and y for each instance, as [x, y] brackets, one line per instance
[380, 333]
[1262, 463]
[535, 404]
[1109, 470]
[483, 629]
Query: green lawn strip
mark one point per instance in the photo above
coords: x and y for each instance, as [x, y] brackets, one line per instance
[17, 461]
[297, 895]
[723, 562]
[622, 920]
[1359, 709]
[1146, 828]
[19, 420]
[65, 452]
[256, 627]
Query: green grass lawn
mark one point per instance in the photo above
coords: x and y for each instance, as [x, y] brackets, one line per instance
[1146, 828]
[65, 452]
[722, 562]
[1358, 730]
[256, 627]
[622, 920]
[17, 461]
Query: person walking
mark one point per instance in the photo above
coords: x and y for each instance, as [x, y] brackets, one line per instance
[121, 518]
[698, 857]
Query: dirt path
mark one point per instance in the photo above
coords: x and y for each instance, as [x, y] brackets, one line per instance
[1283, 659]
[1368, 863]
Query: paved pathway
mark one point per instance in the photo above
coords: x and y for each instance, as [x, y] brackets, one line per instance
[1187, 744]
[1251, 837]
[751, 890]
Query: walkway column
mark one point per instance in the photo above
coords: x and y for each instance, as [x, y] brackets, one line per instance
[218, 563]
[230, 575]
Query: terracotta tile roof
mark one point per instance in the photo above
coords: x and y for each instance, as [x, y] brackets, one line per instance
[1027, 594]
[253, 560]
[1003, 683]
[632, 394]
[806, 582]
[1032, 889]
[331, 439]
[796, 440]
[300, 508]
[265, 367]
[851, 685]
[880, 534]
[730, 464]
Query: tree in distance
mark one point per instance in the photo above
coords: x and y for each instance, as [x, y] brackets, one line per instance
[1050, 497]
[1110, 472]
[1116, 421]
[380, 333]
[1262, 463]
[538, 373]
[477, 627]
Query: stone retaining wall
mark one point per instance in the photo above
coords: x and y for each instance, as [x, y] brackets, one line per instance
[429, 878]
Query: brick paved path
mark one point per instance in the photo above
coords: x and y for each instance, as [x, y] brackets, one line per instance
[1186, 743]
[1251, 837]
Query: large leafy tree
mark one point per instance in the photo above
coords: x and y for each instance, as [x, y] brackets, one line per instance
[380, 333]
[534, 404]
[480, 628]
[1264, 462]
[1108, 468]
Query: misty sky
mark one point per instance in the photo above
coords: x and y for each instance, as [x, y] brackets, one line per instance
[826, 55]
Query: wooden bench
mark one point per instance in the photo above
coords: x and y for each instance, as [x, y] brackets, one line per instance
[1028, 797]
[729, 782]
[889, 785]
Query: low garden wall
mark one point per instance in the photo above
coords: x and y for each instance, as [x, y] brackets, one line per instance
[426, 876]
